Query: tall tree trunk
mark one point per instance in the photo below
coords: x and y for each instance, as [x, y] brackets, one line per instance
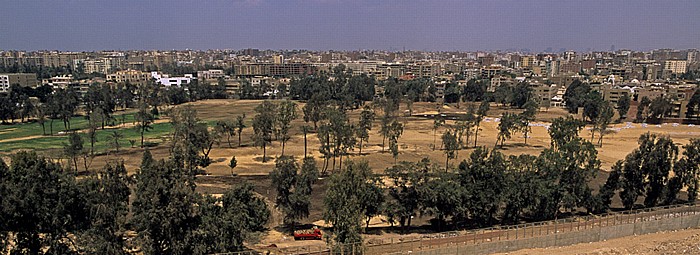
[360, 146]
[447, 163]
[476, 135]
[264, 153]
[142, 137]
[239, 139]
[434, 138]
[526, 137]
[383, 141]
[334, 163]
[75, 162]
[51, 127]
[282, 147]
[340, 166]
[304, 143]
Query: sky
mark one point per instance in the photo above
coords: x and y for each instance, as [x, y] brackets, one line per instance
[433, 25]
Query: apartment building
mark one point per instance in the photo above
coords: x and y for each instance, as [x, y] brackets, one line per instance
[130, 76]
[676, 66]
[57, 82]
[22, 79]
[210, 74]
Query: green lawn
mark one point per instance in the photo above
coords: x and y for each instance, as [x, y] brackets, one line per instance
[56, 142]
[34, 129]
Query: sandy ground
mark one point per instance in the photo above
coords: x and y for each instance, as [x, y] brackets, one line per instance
[674, 242]
[415, 143]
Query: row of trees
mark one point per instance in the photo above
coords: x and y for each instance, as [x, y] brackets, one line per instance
[93, 214]
[490, 188]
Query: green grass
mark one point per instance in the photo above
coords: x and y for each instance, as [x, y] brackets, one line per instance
[34, 129]
[103, 138]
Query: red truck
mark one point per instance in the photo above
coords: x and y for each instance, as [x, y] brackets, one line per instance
[308, 234]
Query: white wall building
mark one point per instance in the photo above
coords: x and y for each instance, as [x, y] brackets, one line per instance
[167, 81]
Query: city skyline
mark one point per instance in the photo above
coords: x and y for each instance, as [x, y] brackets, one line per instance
[349, 25]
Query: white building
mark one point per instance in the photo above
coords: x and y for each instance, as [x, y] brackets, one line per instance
[57, 82]
[167, 81]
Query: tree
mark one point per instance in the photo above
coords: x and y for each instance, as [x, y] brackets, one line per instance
[387, 120]
[114, 138]
[313, 110]
[144, 119]
[483, 177]
[565, 172]
[564, 130]
[522, 188]
[686, 172]
[601, 202]
[592, 105]
[74, 148]
[164, 188]
[521, 94]
[342, 202]
[365, 125]
[395, 131]
[502, 94]
[474, 90]
[658, 109]
[227, 222]
[293, 187]
[240, 125]
[603, 121]
[232, 164]
[225, 128]
[480, 114]
[107, 194]
[575, 95]
[286, 113]
[191, 138]
[623, 105]
[340, 132]
[440, 196]
[93, 124]
[372, 199]
[694, 104]
[450, 145]
[643, 105]
[438, 121]
[305, 130]
[57, 210]
[645, 170]
[263, 125]
[67, 103]
[507, 125]
[526, 117]
[403, 201]
[40, 113]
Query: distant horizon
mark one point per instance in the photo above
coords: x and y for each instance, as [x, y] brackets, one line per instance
[355, 50]
[349, 25]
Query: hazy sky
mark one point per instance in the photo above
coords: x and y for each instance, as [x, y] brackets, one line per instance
[348, 24]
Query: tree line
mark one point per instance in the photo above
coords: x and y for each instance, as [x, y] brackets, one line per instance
[57, 213]
[491, 188]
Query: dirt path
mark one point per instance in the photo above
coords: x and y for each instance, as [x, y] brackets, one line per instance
[673, 242]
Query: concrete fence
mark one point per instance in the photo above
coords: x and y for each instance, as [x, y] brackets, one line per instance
[554, 233]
